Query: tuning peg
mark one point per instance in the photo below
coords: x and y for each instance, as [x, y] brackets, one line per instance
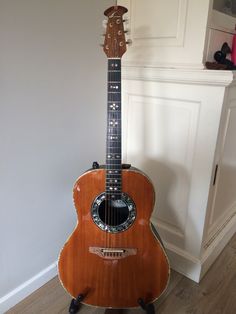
[129, 42]
[104, 23]
[125, 21]
[103, 35]
[127, 32]
[101, 45]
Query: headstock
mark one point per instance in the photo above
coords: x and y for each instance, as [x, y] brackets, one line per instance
[115, 42]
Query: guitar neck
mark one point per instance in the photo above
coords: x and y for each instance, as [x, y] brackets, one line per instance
[114, 139]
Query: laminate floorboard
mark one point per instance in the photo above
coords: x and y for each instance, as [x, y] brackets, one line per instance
[216, 294]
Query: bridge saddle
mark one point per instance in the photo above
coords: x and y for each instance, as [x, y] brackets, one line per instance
[112, 253]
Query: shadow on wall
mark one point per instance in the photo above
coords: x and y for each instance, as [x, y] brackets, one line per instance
[161, 146]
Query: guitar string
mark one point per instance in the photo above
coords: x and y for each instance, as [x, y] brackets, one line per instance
[112, 215]
[108, 151]
[109, 183]
[107, 166]
[114, 143]
[119, 136]
[107, 161]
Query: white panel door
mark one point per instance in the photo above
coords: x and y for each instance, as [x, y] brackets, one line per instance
[160, 138]
[166, 33]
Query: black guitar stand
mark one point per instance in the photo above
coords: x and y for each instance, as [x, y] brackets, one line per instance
[75, 306]
[149, 308]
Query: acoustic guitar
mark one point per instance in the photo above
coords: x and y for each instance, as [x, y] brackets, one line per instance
[114, 258]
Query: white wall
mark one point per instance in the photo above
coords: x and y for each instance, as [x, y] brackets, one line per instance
[52, 126]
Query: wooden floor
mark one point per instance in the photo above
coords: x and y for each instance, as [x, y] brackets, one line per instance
[216, 294]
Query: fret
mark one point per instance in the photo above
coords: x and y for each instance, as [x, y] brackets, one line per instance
[112, 147]
[114, 116]
[113, 166]
[114, 139]
[113, 96]
[114, 150]
[114, 77]
[113, 192]
[113, 130]
[113, 157]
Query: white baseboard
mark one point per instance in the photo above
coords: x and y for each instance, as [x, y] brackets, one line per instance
[195, 268]
[183, 262]
[28, 287]
[217, 245]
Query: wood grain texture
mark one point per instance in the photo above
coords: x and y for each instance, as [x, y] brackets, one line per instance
[115, 43]
[116, 283]
[215, 294]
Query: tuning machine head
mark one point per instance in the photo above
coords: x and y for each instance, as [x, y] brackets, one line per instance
[114, 41]
[104, 23]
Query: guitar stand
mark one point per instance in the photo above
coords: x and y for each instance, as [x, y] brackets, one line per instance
[149, 308]
[75, 306]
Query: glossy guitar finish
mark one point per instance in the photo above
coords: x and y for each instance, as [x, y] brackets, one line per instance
[114, 282]
[113, 259]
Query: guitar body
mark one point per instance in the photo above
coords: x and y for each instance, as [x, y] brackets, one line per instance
[114, 269]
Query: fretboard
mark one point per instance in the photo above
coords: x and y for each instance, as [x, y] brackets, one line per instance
[113, 143]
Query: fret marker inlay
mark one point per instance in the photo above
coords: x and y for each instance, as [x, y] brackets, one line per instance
[113, 156]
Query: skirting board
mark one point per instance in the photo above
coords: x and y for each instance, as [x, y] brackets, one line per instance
[183, 263]
[194, 268]
[28, 287]
[217, 246]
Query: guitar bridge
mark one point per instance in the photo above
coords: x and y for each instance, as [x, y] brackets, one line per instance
[112, 253]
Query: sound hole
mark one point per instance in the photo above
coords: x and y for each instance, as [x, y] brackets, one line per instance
[113, 215]
[113, 212]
